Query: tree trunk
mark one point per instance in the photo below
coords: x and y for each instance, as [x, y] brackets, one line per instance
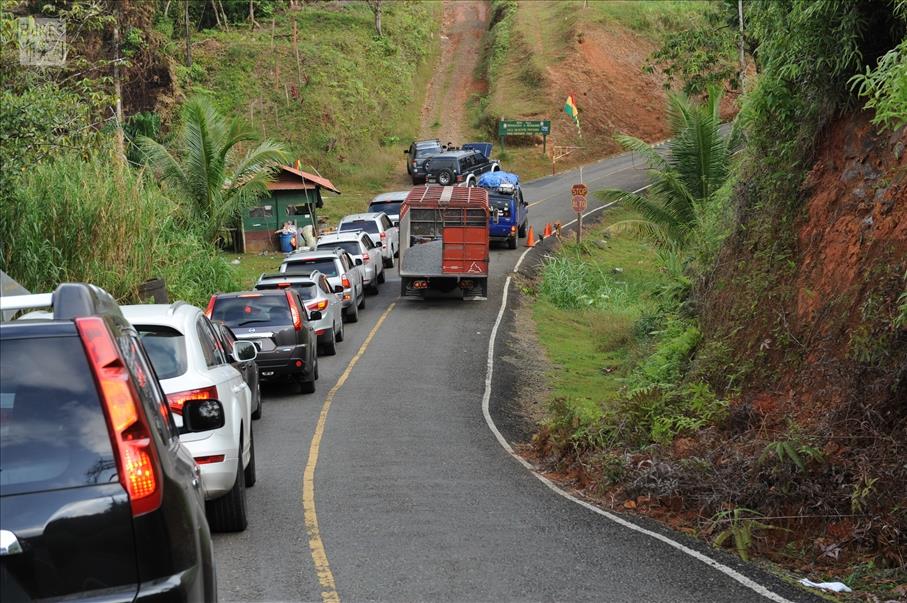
[188, 35]
[742, 54]
[118, 87]
[254, 23]
[378, 20]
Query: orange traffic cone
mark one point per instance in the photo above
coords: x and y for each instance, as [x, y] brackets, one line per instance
[530, 238]
[547, 230]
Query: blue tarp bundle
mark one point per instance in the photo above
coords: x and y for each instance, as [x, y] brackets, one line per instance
[495, 179]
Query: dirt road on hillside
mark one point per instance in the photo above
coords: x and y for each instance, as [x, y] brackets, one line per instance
[444, 113]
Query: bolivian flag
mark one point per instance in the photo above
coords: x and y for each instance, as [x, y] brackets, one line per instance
[571, 110]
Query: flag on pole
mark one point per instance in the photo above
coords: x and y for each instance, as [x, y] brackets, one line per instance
[571, 110]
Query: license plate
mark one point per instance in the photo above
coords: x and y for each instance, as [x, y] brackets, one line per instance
[267, 373]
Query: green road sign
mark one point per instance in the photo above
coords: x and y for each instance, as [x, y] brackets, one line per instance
[523, 127]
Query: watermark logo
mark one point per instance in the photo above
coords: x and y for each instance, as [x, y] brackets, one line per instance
[42, 42]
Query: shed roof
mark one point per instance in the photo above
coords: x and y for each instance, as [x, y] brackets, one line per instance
[307, 181]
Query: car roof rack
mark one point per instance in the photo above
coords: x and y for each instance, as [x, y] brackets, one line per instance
[68, 301]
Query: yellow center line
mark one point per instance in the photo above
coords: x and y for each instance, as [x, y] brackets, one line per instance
[316, 546]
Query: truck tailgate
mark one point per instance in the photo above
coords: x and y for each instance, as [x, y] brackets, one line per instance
[465, 250]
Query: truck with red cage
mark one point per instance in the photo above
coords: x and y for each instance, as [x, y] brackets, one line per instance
[444, 241]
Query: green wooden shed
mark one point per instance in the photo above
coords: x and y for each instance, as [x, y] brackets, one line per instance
[293, 196]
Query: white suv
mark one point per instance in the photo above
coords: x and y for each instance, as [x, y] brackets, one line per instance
[363, 251]
[190, 365]
[381, 230]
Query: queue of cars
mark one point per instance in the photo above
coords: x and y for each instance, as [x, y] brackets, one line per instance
[116, 470]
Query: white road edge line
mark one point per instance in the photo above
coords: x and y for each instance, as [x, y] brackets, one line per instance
[486, 398]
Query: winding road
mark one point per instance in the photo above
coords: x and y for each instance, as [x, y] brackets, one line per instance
[413, 498]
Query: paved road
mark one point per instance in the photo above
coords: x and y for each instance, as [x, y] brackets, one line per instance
[415, 498]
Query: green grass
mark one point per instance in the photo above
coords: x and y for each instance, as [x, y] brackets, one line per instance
[251, 266]
[590, 348]
[357, 103]
[115, 229]
[649, 17]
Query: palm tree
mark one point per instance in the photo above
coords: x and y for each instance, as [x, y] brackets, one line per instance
[685, 180]
[216, 187]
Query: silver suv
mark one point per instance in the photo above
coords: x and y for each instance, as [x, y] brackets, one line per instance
[339, 268]
[380, 230]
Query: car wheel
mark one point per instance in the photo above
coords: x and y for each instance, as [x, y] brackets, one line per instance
[389, 262]
[249, 475]
[330, 348]
[380, 279]
[228, 513]
[511, 243]
[307, 387]
[341, 334]
[445, 177]
[361, 305]
[352, 313]
[257, 414]
[522, 231]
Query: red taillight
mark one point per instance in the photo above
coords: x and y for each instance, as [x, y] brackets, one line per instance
[365, 256]
[345, 282]
[177, 400]
[294, 311]
[205, 460]
[319, 305]
[414, 164]
[210, 309]
[420, 284]
[137, 463]
[383, 235]
[283, 285]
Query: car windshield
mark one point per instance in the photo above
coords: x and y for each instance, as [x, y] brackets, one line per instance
[327, 266]
[351, 247]
[429, 149]
[53, 434]
[391, 208]
[167, 349]
[369, 226]
[249, 310]
[306, 290]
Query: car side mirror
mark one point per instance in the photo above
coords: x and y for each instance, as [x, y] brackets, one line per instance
[406, 151]
[244, 350]
[358, 261]
[396, 225]
[202, 415]
[315, 315]
[338, 289]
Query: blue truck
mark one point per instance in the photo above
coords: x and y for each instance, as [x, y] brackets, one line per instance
[509, 211]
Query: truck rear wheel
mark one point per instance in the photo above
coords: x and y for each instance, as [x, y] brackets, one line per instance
[511, 242]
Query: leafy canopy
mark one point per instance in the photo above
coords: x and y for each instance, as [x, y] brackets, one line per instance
[215, 187]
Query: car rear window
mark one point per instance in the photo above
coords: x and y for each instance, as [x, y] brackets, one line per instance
[53, 433]
[351, 247]
[391, 208]
[438, 163]
[167, 349]
[305, 290]
[499, 201]
[327, 266]
[369, 226]
[265, 310]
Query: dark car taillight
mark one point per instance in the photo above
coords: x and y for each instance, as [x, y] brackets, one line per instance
[137, 464]
[294, 311]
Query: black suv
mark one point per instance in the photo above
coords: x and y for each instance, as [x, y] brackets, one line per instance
[419, 151]
[460, 166]
[277, 323]
[99, 500]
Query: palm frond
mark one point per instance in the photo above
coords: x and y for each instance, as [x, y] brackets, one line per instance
[162, 161]
[641, 147]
